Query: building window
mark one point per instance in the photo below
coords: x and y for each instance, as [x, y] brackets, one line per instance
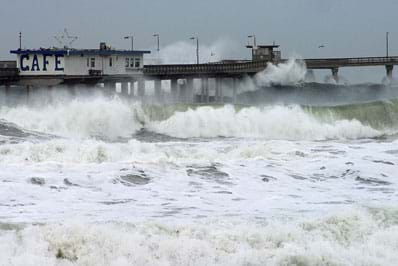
[110, 61]
[92, 62]
[88, 62]
[131, 62]
[127, 62]
[137, 62]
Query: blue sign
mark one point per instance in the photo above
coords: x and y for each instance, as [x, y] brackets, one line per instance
[40, 65]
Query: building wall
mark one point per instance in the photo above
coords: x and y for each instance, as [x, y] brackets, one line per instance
[77, 65]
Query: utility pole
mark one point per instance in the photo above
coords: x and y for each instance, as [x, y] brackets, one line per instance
[158, 41]
[197, 48]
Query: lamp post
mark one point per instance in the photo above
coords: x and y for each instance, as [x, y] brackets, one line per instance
[254, 40]
[387, 35]
[197, 48]
[20, 40]
[158, 41]
[132, 41]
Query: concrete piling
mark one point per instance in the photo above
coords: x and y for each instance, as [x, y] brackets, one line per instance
[174, 89]
[335, 74]
[124, 89]
[389, 69]
[141, 88]
[189, 91]
[234, 90]
[158, 89]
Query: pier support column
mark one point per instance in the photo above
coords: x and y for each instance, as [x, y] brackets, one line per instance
[109, 88]
[158, 88]
[218, 95]
[28, 91]
[174, 89]
[204, 97]
[7, 91]
[132, 88]
[389, 69]
[125, 88]
[189, 91]
[310, 76]
[335, 74]
[141, 88]
[234, 90]
[71, 89]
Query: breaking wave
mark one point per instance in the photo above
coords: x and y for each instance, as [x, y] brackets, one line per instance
[111, 119]
[275, 122]
[79, 118]
[358, 237]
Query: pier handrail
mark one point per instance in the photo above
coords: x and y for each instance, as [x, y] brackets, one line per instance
[256, 66]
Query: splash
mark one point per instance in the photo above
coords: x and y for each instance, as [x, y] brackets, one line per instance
[184, 52]
[293, 72]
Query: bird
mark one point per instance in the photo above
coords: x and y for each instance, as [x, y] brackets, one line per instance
[321, 46]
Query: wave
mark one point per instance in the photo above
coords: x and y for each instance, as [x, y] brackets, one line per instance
[112, 119]
[79, 118]
[275, 122]
[357, 237]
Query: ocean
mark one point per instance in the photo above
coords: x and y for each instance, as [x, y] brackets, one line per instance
[292, 175]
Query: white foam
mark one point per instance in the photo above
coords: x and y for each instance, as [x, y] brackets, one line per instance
[79, 118]
[275, 122]
[358, 237]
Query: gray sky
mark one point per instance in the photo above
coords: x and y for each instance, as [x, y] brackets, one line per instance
[346, 27]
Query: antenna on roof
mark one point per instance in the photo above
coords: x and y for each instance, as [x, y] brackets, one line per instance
[66, 40]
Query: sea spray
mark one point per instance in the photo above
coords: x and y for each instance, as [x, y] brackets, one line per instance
[292, 72]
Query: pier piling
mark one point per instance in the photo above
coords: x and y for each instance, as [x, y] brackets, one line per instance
[174, 89]
[389, 69]
[335, 74]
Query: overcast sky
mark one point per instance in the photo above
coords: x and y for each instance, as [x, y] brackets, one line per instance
[345, 27]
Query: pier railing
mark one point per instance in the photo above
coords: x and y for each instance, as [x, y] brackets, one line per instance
[350, 62]
[251, 67]
[195, 69]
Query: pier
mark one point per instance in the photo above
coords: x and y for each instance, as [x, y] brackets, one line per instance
[109, 67]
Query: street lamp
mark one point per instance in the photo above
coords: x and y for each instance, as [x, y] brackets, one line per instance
[254, 40]
[387, 35]
[158, 41]
[132, 41]
[20, 40]
[197, 48]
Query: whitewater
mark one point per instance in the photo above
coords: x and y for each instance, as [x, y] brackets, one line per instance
[305, 177]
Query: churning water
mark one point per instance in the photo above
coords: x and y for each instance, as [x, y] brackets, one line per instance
[106, 181]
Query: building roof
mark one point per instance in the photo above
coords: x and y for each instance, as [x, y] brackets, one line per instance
[57, 51]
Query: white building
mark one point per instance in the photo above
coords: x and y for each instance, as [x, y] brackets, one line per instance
[79, 63]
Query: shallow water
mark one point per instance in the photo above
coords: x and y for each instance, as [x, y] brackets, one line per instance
[105, 181]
